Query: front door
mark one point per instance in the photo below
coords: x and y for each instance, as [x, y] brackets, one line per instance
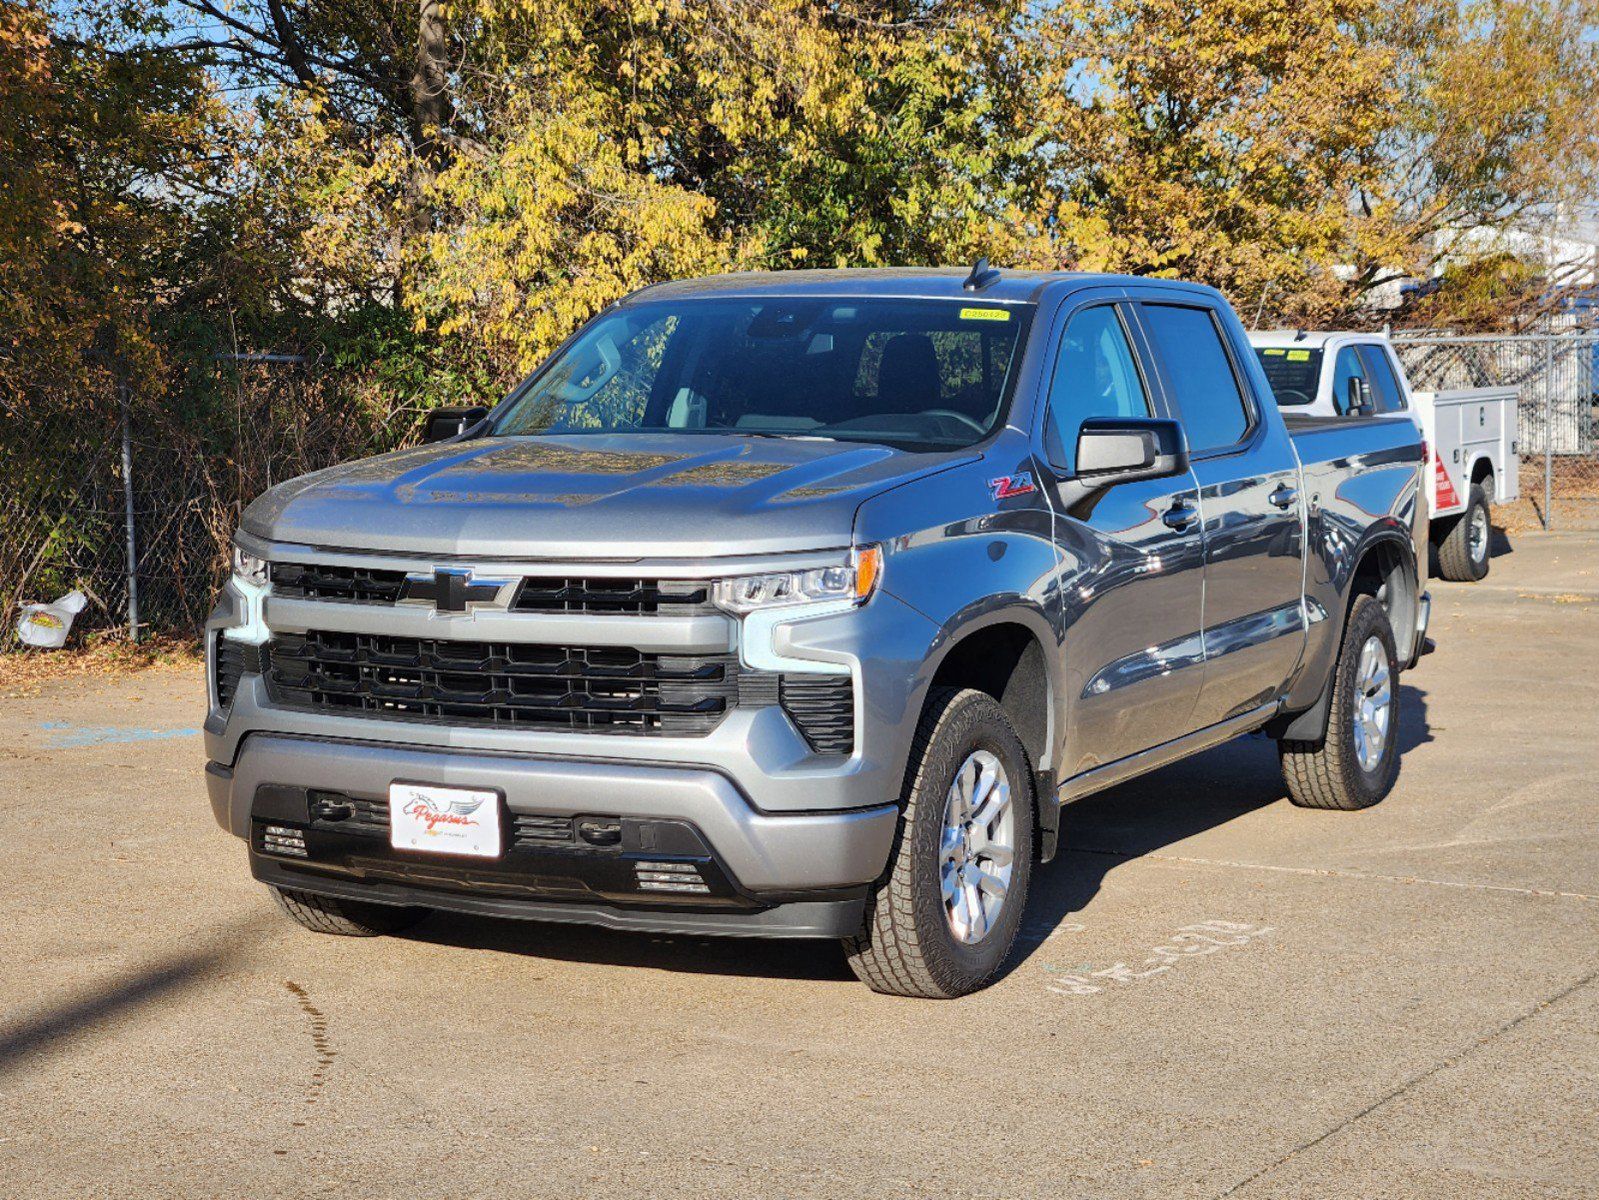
[1132, 563]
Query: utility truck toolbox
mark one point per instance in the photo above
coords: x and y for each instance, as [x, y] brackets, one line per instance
[798, 605]
[1470, 434]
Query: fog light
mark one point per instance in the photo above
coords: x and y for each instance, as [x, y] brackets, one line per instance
[670, 877]
[280, 839]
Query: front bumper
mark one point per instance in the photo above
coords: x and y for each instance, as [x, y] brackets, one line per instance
[766, 872]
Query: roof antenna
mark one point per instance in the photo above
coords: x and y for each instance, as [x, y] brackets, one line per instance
[1299, 335]
[982, 275]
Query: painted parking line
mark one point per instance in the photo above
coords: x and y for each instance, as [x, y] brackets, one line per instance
[1338, 873]
[65, 736]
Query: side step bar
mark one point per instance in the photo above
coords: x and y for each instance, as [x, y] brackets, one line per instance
[1134, 765]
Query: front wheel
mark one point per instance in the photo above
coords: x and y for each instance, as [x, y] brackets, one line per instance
[1355, 764]
[941, 922]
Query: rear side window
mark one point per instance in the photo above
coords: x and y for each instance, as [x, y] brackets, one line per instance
[1201, 373]
[1386, 392]
[1095, 376]
[1346, 366]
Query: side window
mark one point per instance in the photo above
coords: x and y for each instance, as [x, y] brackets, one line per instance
[1095, 376]
[1214, 413]
[1346, 366]
[1386, 392]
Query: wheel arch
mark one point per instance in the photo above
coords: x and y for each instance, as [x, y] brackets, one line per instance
[1383, 565]
[1009, 654]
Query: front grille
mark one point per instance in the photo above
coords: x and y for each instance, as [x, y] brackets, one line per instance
[590, 689]
[599, 596]
[362, 584]
[822, 708]
[596, 595]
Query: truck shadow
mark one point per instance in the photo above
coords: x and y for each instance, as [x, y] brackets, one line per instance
[1098, 834]
[1150, 814]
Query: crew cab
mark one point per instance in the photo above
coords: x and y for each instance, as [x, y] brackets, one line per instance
[1470, 433]
[799, 605]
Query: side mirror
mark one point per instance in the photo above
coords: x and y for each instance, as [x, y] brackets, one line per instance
[1359, 401]
[1122, 449]
[441, 424]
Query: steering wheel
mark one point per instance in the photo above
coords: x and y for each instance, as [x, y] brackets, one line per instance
[1288, 396]
[951, 414]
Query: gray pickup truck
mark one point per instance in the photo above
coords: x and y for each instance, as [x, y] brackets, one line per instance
[799, 605]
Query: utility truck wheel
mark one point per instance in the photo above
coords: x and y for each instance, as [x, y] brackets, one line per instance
[1354, 765]
[942, 920]
[350, 918]
[1463, 554]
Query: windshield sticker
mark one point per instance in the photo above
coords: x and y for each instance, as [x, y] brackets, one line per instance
[1274, 353]
[985, 314]
[1299, 356]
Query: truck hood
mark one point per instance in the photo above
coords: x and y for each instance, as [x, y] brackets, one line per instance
[594, 496]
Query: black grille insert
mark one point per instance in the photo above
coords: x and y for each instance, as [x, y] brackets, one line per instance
[298, 581]
[592, 689]
[822, 708]
[229, 668]
[600, 596]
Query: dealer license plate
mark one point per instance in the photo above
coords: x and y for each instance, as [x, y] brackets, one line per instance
[444, 820]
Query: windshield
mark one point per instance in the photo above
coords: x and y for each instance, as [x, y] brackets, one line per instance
[918, 374]
[1294, 375]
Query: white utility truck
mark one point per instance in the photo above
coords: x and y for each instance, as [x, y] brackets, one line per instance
[1470, 433]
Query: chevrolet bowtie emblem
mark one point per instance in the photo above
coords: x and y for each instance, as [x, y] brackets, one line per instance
[449, 590]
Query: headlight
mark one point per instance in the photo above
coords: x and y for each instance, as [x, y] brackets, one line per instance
[855, 582]
[250, 569]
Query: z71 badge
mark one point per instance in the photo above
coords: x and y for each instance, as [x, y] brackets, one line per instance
[1006, 486]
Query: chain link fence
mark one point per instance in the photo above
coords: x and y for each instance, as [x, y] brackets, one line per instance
[168, 477]
[1557, 414]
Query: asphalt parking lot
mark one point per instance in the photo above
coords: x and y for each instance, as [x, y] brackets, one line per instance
[1219, 994]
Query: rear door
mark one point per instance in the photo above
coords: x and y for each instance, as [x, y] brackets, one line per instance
[1248, 477]
[1132, 562]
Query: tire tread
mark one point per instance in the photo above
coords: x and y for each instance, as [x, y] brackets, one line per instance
[888, 956]
[1325, 774]
[344, 918]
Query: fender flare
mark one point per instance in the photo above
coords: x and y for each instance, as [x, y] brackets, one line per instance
[1013, 610]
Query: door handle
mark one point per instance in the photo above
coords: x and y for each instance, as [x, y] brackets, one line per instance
[1284, 496]
[1180, 515]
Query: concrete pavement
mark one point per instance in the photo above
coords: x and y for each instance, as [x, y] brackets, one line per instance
[1218, 994]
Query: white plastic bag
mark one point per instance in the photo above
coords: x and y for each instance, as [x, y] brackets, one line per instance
[47, 625]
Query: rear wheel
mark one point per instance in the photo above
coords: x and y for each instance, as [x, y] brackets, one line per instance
[1463, 553]
[941, 922]
[349, 918]
[1355, 764]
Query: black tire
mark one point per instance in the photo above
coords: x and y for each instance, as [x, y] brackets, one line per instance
[1456, 561]
[908, 947]
[347, 918]
[1329, 773]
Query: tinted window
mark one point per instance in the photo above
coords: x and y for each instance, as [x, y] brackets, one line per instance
[1292, 373]
[1346, 366]
[1213, 410]
[1095, 376]
[1386, 392]
[913, 373]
